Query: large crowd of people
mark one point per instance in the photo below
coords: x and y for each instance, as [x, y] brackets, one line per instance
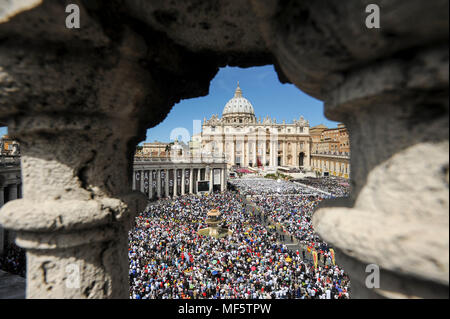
[264, 186]
[336, 186]
[13, 260]
[169, 259]
[289, 205]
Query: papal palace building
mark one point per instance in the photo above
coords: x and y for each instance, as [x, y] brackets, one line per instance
[248, 142]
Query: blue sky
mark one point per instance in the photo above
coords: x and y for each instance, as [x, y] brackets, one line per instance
[260, 85]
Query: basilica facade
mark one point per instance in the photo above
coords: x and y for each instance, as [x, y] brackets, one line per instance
[246, 141]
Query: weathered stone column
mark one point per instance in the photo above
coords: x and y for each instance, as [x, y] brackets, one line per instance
[389, 86]
[72, 103]
[396, 112]
[76, 211]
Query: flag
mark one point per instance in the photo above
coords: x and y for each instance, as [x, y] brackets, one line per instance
[315, 258]
[332, 256]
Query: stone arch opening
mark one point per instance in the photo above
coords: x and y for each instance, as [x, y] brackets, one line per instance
[155, 54]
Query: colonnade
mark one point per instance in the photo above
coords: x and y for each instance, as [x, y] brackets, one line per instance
[8, 192]
[169, 181]
[336, 166]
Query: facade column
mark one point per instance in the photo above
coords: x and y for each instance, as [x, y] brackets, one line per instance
[158, 183]
[275, 152]
[296, 155]
[264, 151]
[233, 151]
[191, 181]
[246, 152]
[134, 179]
[284, 157]
[254, 154]
[271, 164]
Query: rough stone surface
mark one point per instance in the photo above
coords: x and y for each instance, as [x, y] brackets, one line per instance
[80, 100]
[10, 8]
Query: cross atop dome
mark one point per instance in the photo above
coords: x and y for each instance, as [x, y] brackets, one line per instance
[238, 92]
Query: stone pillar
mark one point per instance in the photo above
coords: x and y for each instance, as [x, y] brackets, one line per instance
[295, 155]
[77, 210]
[211, 179]
[264, 152]
[284, 158]
[391, 92]
[395, 112]
[158, 183]
[175, 183]
[246, 152]
[275, 150]
[254, 153]
[222, 179]
[166, 182]
[142, 182]
[191, 181]
[271, 163]
[183, 181]
[150, 184]
[233, 151]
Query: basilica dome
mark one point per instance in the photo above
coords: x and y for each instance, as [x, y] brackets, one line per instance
[238, 105]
